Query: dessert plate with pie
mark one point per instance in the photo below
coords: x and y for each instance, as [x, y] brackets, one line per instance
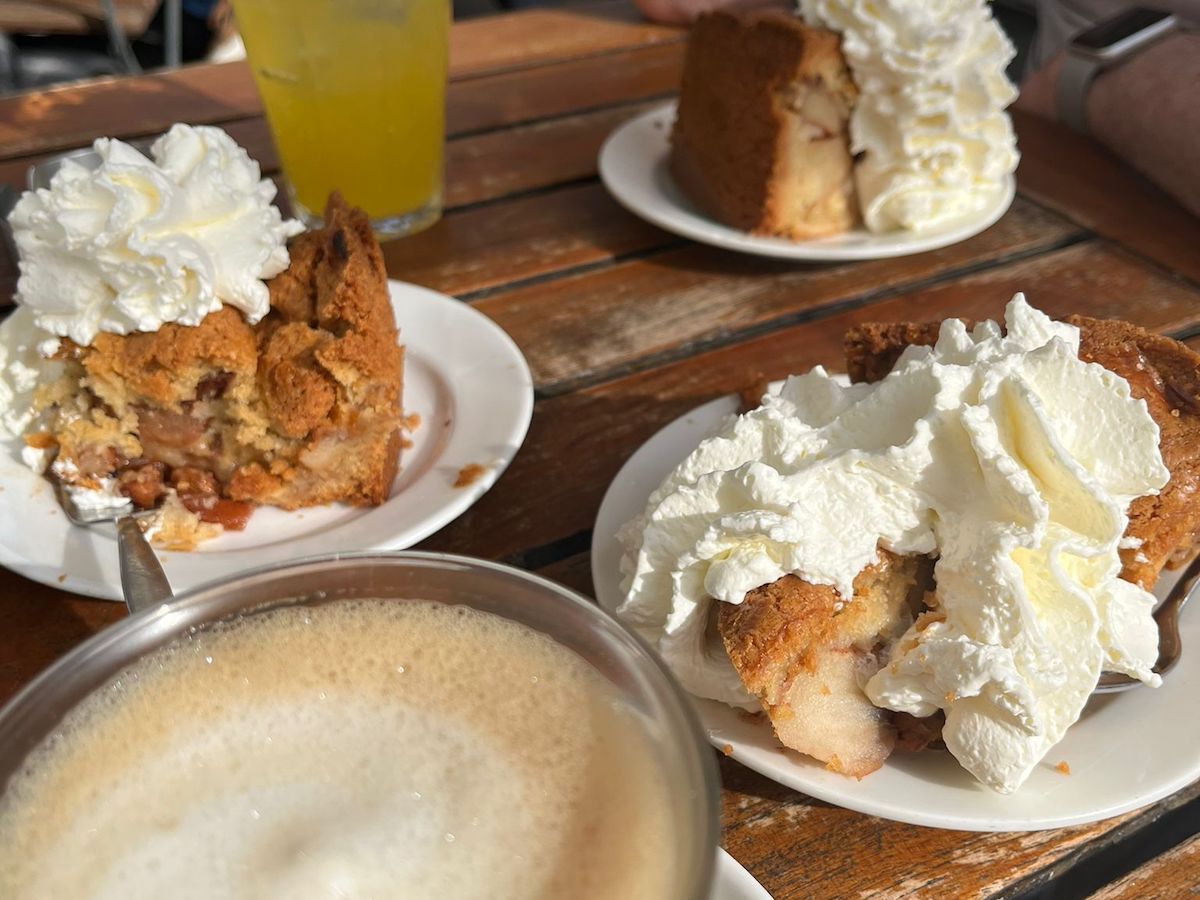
[253, 399]
[634, 168]
[839, 132]
[471, 392]
[789, 649]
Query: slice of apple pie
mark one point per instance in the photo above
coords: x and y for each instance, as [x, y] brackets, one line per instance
[962, 533]
[761, 138]
[806, 656]
[301, 409]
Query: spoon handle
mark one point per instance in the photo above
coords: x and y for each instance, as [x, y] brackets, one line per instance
[1170, 645]
[143, 581]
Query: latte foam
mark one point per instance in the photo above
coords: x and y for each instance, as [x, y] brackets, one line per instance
[357, 749]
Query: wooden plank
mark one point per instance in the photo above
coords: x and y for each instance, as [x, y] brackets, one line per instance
[576, 328]
[539, 36]
[578, 441]
[40, 625]
[1175, 873]
[479, 167]
[643, 64]
[530, 236]
[1080, 179]
[72, 116]
[800, 847]
[520, 239]
[251, 133]
[569, 109]
[565, 88]
[529, 157]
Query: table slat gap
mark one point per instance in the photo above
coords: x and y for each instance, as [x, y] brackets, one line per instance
[1130, 826]
[1176, 870]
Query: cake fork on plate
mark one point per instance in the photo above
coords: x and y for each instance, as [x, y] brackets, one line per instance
[143, 581]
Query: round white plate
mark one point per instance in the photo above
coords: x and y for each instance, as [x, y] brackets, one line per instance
[1127, 749]
[732, 882]
[462, 374]
[633, 166]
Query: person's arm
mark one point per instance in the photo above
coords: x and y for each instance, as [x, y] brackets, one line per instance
[1146, 111]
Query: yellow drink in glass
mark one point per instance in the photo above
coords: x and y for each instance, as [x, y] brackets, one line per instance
[354, 91]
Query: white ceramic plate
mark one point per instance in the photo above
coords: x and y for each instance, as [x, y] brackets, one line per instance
[1127, 750]
[732, 882]
[463, 375]
[633, 166]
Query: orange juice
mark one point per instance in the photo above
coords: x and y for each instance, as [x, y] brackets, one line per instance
[354, 91]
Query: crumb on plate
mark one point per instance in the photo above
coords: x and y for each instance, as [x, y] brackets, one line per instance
[469, 474]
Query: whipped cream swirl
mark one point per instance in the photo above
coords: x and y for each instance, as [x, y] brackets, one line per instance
[929, 117]
[139, 242]
[992, 451]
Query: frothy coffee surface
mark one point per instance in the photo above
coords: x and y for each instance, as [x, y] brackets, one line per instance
[358, 749]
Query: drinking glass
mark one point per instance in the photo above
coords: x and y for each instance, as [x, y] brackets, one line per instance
[355, 94]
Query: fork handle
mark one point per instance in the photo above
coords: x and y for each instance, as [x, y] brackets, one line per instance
[143, 581]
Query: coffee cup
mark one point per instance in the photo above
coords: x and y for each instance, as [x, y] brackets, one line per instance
[374, 724]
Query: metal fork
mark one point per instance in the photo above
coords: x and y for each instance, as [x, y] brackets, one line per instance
[143, 581]
[1170, 645]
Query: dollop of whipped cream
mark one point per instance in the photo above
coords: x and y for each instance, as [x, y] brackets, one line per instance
[139, 242]
[929, 117]
[994, 452]
[24, 369]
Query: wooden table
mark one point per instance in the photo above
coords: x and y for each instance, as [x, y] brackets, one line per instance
[626, 327]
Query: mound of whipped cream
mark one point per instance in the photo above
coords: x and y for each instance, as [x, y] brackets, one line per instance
[138, 242]
[1003, 454]
[929, 117]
